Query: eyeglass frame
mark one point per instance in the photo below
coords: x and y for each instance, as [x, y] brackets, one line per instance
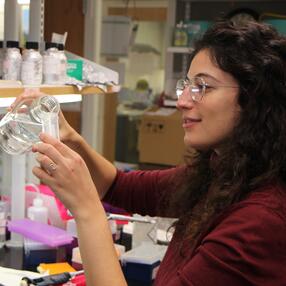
[194, 94]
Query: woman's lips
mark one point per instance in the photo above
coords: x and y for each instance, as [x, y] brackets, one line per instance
[189, 122]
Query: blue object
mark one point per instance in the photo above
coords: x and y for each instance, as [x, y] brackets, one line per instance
[140, 272]
[33, 258]
[196, 29]
[278, 24]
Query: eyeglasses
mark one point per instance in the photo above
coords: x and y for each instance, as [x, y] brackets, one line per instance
[196, 87]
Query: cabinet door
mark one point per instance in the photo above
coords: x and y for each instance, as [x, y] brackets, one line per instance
[66, 16]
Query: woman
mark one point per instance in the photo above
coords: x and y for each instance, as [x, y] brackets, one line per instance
[230, 197]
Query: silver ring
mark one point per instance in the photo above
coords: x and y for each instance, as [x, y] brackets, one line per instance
[52, 167]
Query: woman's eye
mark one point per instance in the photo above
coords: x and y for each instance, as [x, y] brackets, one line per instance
[201, 87]
[208, 87]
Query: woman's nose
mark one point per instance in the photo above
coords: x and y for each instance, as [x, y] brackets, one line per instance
[185, 101]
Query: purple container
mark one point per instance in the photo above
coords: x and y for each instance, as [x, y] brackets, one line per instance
[47, 234]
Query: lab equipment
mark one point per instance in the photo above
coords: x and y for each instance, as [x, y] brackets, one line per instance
[140, 265]
[12, 61]
[57, 214]
[20, 128]
[38, 212]
[49, 280]
[129, 218]
[51, 64]
[63, 64]
[50, 235]
[32, 65]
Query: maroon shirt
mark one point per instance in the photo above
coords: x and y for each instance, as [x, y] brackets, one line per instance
[245, 245]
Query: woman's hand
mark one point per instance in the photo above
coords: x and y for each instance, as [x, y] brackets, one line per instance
[67, 133]
[31, 94]
[67, 174]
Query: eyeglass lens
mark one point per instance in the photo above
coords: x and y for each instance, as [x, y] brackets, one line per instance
[196, 88]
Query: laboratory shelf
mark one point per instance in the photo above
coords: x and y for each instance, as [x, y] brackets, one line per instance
[13, 91]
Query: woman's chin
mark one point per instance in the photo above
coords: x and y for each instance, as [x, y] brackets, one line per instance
[191, 143]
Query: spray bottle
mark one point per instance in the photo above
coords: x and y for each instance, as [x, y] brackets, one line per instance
[38, 212]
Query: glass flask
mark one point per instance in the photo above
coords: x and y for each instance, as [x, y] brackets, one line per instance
[20, 128]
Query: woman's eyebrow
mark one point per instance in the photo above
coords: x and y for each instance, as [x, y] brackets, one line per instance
[207, 76]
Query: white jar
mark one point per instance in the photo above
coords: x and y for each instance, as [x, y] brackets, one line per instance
[12, 61]
[63, 64]
[32, 65]
[51, 65]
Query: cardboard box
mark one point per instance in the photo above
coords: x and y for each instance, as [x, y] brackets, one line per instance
[161, 137]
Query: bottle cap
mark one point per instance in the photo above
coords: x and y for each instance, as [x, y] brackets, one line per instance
[12, 44]
[37, 202]
[32, 45]
[60, 47]
[50, 45]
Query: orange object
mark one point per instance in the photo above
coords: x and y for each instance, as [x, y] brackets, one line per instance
[55, 268]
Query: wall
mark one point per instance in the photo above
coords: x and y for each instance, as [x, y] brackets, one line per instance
[142, 65]
[147, 65]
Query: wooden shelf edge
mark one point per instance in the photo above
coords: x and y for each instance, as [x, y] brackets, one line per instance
[52, 90]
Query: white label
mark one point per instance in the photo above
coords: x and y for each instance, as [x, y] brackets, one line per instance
[51, 66]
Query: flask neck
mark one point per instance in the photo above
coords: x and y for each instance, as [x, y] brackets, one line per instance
[44, 107]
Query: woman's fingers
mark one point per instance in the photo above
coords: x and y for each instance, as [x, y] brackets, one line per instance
[27, 94]
[59, 146]
[46, 164]
[45, 177]
[49, 151]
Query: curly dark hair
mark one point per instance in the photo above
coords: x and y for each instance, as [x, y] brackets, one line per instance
[255, 154]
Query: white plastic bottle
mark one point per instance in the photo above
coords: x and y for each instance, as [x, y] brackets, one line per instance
[63, 64]
[51, 65]
[32, 65]
[12, 61]
[38, 212]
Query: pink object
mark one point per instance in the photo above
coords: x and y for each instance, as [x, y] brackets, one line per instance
[79, 280]
[58, 213]
[47, 234]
